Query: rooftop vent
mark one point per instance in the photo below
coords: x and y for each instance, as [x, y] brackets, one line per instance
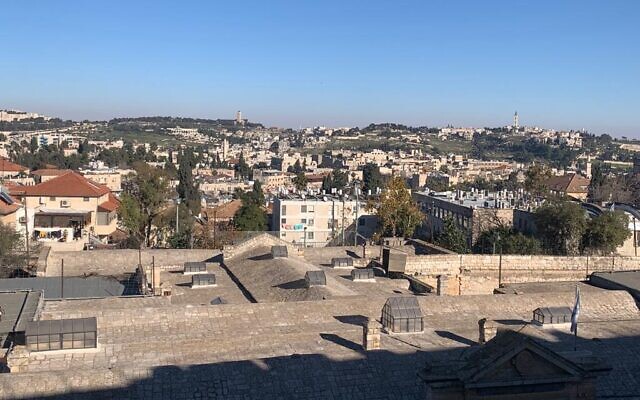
[342, 262]
[279, 252]
[217, 301]
[191, 268]
[402, 315]
[203, 280]
[61, 334]
[552, 315]
[315, 278]
[365, 275]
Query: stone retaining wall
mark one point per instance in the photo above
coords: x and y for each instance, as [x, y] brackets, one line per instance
[118, 262]
[478, 274]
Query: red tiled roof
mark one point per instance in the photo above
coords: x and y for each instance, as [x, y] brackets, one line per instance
[572, 183]
[69, 184]
[225, 211]
[8, 166]
[6, 208]
[110, 205]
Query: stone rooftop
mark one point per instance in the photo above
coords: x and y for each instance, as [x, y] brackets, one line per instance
[298, 349]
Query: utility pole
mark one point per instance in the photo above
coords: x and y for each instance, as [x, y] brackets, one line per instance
[26, 233]
[215, 213]
[177, 215]
[355, 236]
[343, 242]
[305, 237]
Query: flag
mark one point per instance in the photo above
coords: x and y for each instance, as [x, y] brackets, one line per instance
[576, 312]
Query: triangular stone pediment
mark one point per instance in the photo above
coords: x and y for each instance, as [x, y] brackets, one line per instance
[526, 361]
[526, 364]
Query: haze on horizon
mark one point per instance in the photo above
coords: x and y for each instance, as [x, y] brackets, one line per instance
[563, 65]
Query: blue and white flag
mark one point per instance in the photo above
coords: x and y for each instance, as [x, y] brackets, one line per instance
[576, 312]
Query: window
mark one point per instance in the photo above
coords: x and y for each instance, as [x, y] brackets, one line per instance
[283, 221]
[310, 222]
[303, 221]
[303, 209]
[85, 199]
[52, 198]
[310, 235]
[310, 208]
[284, 210]
[361, 222]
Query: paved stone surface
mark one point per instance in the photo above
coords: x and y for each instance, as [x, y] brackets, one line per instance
[150, 348]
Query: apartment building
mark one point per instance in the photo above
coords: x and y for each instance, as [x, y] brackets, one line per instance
[320, 221]
[272, 179]
[69, 207]
[474, 212]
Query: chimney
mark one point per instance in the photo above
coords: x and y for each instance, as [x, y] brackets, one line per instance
[156, 280]
[487, 330]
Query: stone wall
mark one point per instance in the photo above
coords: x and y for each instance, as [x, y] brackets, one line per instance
[118, 262]
[479, 274]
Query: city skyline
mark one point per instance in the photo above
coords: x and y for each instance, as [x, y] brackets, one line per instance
[562, 66]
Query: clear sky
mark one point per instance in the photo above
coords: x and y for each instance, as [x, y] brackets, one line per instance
[560, 64]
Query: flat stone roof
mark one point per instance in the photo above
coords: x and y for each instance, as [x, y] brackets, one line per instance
[73, 287]
[271, 350]
[18, 308]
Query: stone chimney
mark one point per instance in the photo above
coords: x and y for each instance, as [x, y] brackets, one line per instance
[155, 285]
[442, 285]
[371, 335]
[487, 330]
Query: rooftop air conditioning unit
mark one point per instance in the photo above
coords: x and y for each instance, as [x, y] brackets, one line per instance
[64, 203]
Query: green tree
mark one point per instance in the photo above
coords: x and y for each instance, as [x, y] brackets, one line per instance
[606, 232]
[251, 216]
[452, 237]
[300, 181]
[397, 213]
[242, 168]
[337, 179]
[11, 251]
[506, 240]
[143, 200]
[560, 227]
[187, 189]
[371, 178]
[536, 178]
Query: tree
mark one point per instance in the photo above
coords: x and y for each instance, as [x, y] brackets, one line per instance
[187, 189]
[11, 251]
[560, 227]
[251, 216]
[371, 178]
[300, 181]
[242, 168]
[143, 200]
[536, 178]
[606, 232]
[397, 213]
[452, 237]
[337, 179]
[506, 240]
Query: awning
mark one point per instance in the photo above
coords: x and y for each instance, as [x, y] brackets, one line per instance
[66, 212]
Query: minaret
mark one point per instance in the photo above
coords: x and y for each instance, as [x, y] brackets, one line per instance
[516, 122]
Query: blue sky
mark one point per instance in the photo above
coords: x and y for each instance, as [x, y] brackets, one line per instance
[561, 64]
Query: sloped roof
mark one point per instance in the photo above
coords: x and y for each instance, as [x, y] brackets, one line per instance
[8, 204]
[69, 184]
[110, 205]
[571, 183]
[8, 166]
[225, 211]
